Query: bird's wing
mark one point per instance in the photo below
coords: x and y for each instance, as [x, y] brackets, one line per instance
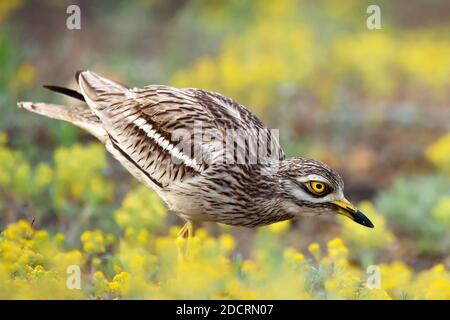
[175, 133]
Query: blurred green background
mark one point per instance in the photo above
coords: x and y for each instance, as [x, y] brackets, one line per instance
[374, 104]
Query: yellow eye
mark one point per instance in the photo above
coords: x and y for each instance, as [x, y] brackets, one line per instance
[318, 187]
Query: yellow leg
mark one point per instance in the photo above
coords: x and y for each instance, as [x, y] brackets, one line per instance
[188, 230]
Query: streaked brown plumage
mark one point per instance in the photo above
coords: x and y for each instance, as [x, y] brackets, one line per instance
[208, 157]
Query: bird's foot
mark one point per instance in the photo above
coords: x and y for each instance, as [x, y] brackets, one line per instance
[186, 233]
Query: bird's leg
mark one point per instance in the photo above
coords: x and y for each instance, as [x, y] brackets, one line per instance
[188, 230]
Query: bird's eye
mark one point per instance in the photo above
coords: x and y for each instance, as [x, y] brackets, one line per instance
[318, 187]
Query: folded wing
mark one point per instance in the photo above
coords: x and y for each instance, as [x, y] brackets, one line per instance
[172, 134]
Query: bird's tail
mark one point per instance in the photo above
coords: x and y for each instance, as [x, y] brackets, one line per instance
[59, 112]
[96, 91]
[79, 116]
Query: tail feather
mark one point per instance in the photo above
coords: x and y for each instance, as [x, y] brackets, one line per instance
[66, 92]
[95, 91]
[79, 116]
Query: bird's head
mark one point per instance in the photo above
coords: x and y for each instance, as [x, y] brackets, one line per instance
[310, 187]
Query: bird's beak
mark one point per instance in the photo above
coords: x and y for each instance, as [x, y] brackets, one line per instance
[345, 208]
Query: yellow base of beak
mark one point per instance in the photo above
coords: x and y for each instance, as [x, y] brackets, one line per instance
[345, 208]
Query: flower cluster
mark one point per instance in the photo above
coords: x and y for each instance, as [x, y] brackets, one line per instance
[16, 175]
[65, 191]
[136, 257]
[439, 154]
[83, 183]
[33, 264]
[143, 265]
[278, 52]
[141, 208]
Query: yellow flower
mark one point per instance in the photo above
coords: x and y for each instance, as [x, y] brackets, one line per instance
[119, 283]
[374, 294]
[96, 262]
[293, 255]
[18, 231]
[143, 237]
[59, 238]
[227, 242]
[84, 183]
[248, 266]
[370, 58]
[33, 264]
[442, 211]
[431, 284]
[395, 278]
[337, 249]
[343, 284]
[314, 249]
[425, 62]
[94, 241]
[439, 154]
[101, 285]
[141, 208]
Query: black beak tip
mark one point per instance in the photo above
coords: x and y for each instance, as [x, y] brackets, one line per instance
[360, 218]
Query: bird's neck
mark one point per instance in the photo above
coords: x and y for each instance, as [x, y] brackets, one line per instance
[266, 191]
[273, 179]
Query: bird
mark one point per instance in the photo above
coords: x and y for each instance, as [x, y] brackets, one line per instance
[209, 158]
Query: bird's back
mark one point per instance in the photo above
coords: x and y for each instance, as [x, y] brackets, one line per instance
[161, 130]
